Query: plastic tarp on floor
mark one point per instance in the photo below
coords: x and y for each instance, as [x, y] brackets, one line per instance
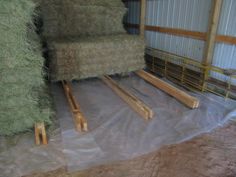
[117, 133]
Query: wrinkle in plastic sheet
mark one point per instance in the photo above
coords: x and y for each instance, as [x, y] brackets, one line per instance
[20, 156]
[117, 133]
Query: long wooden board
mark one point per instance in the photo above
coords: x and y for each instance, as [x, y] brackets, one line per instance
[130, 99]
[79, 119]
[185, 33]
[178, 32]
[180, 95]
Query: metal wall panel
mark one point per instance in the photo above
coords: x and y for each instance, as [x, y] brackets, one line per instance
[225, 54]
[185, 47]
[227, 25]
[184, 14]
[224, 57]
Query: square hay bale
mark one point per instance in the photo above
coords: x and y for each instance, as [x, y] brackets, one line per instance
[95, 56]
[82, 18]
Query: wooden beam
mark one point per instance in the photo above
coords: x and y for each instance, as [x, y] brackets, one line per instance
[133, 101]
[178, 32]
[212, 31]
[226, 39]
[180, 95]
[172, 31]
[40, 134]
[142, 17]
[79, 119]
[185, 33]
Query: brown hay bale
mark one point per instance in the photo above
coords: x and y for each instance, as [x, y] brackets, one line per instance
[95, 56]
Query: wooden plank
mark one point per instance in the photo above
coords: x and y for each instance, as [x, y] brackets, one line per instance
[185, 33]
[226, 39]
[79, 119]
[212, 31]
[178, 32]
[180, 95]
[130, 99]
[142, 17]
[172, 31]
[40, 134]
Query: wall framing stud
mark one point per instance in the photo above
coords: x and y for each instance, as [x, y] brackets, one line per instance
[212, 31]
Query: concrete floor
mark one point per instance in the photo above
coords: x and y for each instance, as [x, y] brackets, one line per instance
[208, 155]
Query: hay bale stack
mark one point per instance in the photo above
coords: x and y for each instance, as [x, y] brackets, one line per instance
[95, 56]
[23, 98]
[63, 18]
[87, 39]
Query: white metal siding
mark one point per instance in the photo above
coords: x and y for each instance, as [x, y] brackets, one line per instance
[183, 14]
[189, 15]
[225, 54]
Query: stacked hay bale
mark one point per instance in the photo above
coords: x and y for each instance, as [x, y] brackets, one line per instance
[87, 39]
[23, 98]
[92, 57]
[63, 18]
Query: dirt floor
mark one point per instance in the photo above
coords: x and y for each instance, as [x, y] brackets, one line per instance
[208, 155]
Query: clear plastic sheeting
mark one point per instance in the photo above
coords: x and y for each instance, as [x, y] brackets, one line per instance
[20, 156]
[117, 133]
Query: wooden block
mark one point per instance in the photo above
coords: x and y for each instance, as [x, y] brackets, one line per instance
[130, 99]
[180, 95]
[79, 119]
[40, 134]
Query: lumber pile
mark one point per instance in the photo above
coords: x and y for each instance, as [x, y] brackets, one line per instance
[180, 95]
[87, 39]
[130, 99]
[24, 99]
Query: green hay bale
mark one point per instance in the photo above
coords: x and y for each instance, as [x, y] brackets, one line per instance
[96, 56]
[23, 87]
[82, 18]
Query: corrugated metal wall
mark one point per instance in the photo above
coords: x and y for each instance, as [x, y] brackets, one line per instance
[190, 15]
[225, 54]
[184, 14]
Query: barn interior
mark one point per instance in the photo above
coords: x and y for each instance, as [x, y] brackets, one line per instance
[110, 88]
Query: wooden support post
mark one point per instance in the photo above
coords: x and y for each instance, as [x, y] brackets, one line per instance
[130, 99]
[142, 17]
[79, 119]
[180, 95]
[212, 31]
[40, 134]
